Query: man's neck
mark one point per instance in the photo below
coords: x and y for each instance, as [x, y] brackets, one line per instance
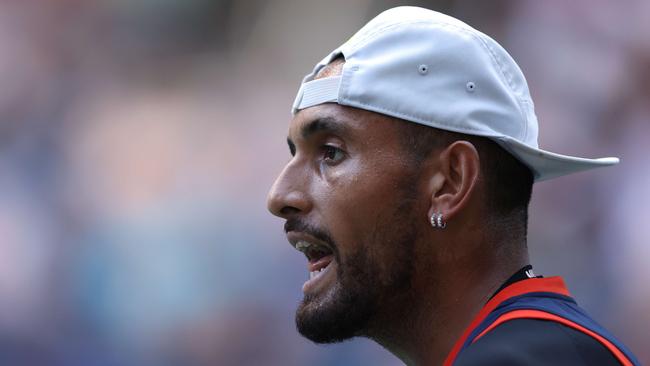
[421, 329]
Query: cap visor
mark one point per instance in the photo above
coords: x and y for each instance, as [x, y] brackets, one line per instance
[547, 165]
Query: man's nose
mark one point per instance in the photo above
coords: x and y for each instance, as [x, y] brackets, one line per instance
[288, 195]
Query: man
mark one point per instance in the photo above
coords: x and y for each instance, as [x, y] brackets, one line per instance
[414, 150]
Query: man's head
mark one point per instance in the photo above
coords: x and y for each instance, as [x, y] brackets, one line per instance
[417, 115]
[364, 185]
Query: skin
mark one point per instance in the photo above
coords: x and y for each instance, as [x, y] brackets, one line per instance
[410, 287]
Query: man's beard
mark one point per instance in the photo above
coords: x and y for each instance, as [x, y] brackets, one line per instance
[363, 285]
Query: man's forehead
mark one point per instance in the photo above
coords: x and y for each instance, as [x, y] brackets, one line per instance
[327, 116]
[352, 124]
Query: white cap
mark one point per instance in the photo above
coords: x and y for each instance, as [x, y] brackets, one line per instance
[426, 67]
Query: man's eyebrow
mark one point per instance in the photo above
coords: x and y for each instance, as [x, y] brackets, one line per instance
[325, 124]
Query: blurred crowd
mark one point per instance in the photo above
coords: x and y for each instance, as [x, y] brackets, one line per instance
[138, 139]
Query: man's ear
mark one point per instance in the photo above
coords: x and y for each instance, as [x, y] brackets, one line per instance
[454, 180]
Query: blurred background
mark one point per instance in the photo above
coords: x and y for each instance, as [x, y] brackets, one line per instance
[138, 140]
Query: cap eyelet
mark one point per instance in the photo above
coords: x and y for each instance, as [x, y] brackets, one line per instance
[470, 86]
[423, 69]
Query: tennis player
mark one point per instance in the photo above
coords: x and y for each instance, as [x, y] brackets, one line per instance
[414, 152]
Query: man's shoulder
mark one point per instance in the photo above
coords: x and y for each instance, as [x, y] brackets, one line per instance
[535, 342]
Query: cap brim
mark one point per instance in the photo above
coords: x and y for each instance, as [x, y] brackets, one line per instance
[546, 164]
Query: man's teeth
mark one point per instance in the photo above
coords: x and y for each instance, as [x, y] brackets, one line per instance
[313, 274]
[302, 245]
[305, 246]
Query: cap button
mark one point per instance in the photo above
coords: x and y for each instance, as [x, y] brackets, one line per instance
[423, 69]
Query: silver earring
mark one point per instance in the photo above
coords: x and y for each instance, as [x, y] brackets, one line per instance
[441, 223]
[437, 221]
[433, 220]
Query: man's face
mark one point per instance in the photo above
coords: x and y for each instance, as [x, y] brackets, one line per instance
[349, 197]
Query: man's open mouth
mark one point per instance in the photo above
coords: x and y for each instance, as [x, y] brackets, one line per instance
[319, 257]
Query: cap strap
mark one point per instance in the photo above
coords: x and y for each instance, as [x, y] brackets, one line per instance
[316, 92]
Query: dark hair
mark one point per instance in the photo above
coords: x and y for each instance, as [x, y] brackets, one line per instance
[508, 182]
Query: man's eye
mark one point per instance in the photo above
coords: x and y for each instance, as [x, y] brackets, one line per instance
[332, 155]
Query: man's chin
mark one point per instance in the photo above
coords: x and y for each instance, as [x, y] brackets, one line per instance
[334, 318]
